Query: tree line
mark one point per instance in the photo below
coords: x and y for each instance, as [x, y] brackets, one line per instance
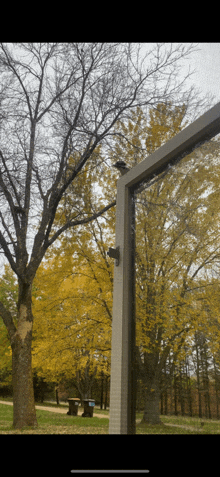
[190, 387]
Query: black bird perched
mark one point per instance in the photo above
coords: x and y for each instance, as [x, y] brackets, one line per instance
[121, 166]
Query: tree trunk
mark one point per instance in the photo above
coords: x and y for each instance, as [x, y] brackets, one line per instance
[106, 392]
[24, 413]
[198, 379]
[189, 396]
[57, 395]
[152, 404]
[206, 385]
[102, 382]
[181, 393]
[188, 387]
[84, 382]
[175, 396]
[216, 389]
[161, 403]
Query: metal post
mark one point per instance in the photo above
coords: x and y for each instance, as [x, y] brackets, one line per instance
[122, 388]
[131, 410]
[122, 419]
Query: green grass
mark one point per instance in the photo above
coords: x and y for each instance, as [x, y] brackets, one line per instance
[208, 426]
[54, 423]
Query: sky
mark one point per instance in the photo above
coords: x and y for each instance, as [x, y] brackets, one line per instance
[206, 62]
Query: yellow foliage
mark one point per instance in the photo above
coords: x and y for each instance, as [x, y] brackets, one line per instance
[72, 326]
[177, 246]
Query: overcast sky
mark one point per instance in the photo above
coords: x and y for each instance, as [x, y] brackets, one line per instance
[206, 62]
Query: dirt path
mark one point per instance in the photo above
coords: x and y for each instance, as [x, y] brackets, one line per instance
[56, 409]
[191, 428]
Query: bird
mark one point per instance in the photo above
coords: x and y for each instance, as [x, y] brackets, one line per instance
[121, 166]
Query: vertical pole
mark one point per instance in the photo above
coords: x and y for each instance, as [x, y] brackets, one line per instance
[131, 325]
[122, 393]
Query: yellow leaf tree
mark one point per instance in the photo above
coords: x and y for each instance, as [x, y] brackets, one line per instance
[177, 246]
[177, 243]
[177, 237]
[72, 332]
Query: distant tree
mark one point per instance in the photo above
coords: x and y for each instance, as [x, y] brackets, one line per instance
[178, 244]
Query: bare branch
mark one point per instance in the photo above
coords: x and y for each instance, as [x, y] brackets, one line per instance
[61, 99]
[11, 64]
[74, 223]
[8, 254]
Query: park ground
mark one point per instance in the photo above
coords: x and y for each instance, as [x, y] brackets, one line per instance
[52, 419]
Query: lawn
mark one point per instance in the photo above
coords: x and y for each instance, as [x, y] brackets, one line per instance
[54, 423]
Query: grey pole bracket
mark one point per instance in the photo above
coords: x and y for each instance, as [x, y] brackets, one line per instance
[114, 253]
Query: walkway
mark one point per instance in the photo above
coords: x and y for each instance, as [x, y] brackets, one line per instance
[55, 409]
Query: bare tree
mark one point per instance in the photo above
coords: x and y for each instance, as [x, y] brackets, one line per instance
[58, 100]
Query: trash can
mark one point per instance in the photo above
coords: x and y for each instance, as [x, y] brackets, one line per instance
[73, 406]
[88, 407]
